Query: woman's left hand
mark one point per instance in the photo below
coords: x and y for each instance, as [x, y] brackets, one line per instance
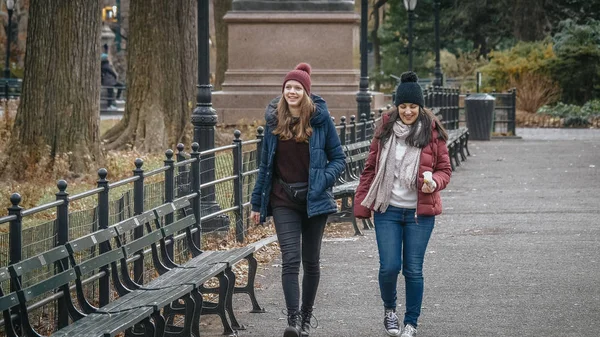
[429, 186]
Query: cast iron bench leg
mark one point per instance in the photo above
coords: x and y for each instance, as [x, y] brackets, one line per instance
[370, 223]
[451, 155]
[219, 307]
[188, 309]
[249, 287]
[355, 225]
[456, 151]
[357, 230]
[463, 155]
[229, 300]
[159, 324]
[197, 312]
[147, 328]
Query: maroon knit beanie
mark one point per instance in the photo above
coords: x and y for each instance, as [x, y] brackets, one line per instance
[301, 74]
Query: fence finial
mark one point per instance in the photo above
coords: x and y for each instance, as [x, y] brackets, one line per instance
[237, 134]
[169, 154]
[62, 185]
[102, 173]
[260, 130]
[15, 199]
[138, 163]
[180, 147]
[195, 147]
[343, 120]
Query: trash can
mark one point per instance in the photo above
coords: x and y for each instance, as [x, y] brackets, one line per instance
[479, 110]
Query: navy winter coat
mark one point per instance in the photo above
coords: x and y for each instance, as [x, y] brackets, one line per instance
[326, 162]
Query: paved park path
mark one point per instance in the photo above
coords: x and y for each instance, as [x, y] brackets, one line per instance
[516, 252]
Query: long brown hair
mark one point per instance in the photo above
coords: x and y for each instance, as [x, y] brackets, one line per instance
[420, 139]
[289, 127]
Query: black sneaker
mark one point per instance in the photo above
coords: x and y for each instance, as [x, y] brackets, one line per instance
[390, 322]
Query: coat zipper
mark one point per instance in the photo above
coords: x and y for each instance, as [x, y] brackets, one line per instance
[417, 208]
[308, 182]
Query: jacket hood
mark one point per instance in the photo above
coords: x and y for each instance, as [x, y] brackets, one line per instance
[320, 116]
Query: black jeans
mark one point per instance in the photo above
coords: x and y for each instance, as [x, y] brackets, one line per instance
[300, 241]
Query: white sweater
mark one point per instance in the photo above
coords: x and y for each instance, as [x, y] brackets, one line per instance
[402, 197]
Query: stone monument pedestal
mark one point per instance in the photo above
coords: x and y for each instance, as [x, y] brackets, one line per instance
[265, 45]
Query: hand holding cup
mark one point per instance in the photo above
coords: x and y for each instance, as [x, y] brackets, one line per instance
[429, 184]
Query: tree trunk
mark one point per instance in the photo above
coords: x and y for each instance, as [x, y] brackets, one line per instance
[221, 7]
[162, 62]
[56, 126]
[377, 42]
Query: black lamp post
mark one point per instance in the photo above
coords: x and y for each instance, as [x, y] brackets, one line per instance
[363, 98]
[204, 118]
[10, 5]
[439, 76]
[410, 8]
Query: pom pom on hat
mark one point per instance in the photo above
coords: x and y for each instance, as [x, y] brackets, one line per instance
[409, 76]
[301, 74]
[304, 67]
[409, 90]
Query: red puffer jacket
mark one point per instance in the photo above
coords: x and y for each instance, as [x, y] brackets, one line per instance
[434, 158]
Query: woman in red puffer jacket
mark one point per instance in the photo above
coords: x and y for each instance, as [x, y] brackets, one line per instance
[407, 167]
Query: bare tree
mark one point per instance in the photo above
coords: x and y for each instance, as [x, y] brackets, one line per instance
[56, 126]
[162, 62]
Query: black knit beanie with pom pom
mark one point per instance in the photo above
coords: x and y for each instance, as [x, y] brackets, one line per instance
[409, 91]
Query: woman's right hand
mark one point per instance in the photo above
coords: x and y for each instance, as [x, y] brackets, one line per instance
[255, 216]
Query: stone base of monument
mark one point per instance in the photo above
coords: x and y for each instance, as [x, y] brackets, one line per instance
[265, 45]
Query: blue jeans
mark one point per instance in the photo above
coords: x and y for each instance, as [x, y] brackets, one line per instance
[402, 241]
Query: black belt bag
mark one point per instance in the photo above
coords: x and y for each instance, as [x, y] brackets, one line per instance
[297, 192]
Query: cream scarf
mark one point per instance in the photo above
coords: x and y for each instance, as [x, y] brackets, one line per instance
[380, 191]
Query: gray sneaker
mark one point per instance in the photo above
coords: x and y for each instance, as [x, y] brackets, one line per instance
[409, 331]
[390, 323]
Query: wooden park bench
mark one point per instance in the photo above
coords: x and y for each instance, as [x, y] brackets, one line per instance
[345, 187]
[457, 143]
[140, 308]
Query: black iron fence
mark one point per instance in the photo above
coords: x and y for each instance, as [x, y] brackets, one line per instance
[10, 87]
[505, 112]
[446, 101]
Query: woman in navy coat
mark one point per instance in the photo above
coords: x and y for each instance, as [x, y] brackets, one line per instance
[301, 160]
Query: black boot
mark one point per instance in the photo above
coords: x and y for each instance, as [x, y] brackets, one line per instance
[294, 325]
[306, 314]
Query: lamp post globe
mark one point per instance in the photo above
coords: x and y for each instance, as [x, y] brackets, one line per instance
[410, 5]
[410, 8]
